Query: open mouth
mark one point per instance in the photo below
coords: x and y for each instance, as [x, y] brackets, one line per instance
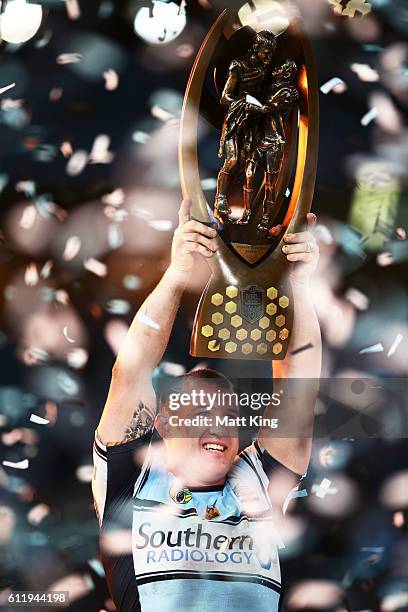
[214, 447]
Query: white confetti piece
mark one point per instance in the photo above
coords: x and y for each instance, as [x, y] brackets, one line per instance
[26, 187]
[115, 236]
[73, 10]
[77, 163]
[69, 58]
[28, 217]
[34, 418]
[172, 369]
[97, 267]
[100, 153]
[84, 473]
[7, 87]
[77, 358]
[72, 248]
[365, 72]
[31, 275]
[19, 465]
[115, 198]
[385, 259]
[159, 113]
[333, 84]
[131, 282]
[46, 269]
[68, 384]
[97, 567]
[401, 233]
[65, 332]
[37, 513]
[119, 307]
[374, 348]
[358, 299]
[395, 344]
[148, 321]
[111, 79]
[66, 148]
[55, 94]
[209, 183]
[141, 137]
[161, 225]
[43, 42]
[323, 488]
[62, 296]
[369, 117]
[116, 215]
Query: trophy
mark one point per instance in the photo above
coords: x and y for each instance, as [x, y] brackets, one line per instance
[254, 82]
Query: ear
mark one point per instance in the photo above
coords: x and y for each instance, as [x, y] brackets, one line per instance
[162, 424]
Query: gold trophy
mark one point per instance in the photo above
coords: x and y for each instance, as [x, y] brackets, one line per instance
[255, 82]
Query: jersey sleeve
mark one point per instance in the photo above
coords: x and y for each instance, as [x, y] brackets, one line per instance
[265, 471]
[116, 470]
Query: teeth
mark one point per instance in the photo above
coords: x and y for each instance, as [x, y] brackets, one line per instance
[216, 447]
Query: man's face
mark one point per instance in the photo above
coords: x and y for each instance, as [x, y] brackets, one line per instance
[202, 454]
[265, 54]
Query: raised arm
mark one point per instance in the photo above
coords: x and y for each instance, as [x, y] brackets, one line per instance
[299, 398]
[130, 408]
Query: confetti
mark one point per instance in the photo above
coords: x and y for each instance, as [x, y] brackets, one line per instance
[395, 344]
[28, 217]
[67, 383]
[209, 183]
[115, 198]
[365, 72]
[385, 259]
[100, 153]
[131, 282]
[26, 187]
[159, 113]
[84, 473]
[335, 84]
[97, 267]
[65, 332]
[111, 79]
[172, 369]
[77, 358]
[72, 248]
[66, 149]
[141, 137]
[34, 418]
[7, 87]
[401, 233]
[368, 117]
[62, 297]
[374, 348]
[19, 465]
[323, 488]
[55, 94]
[115, 236]
[69, 58]
[119, 307]
[77, 163]
[37, 513]
[148, 321]
[161, 225]
[358, 299]
[46, 269]
[73, 10]
[305, 347]
[31, 275]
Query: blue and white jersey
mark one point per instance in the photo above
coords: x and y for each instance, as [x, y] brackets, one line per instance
[161, 555]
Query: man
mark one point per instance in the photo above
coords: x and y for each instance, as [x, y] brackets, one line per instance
[191, 525]
[247, 76]
[270, 146]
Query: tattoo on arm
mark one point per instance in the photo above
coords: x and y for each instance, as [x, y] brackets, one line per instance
[140, 424]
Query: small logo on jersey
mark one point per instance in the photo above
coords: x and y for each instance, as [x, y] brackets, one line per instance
[182, 496]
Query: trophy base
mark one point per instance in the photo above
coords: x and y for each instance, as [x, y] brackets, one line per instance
[243, 321]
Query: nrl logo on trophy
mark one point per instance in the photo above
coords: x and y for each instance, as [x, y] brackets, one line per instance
[254, 82]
